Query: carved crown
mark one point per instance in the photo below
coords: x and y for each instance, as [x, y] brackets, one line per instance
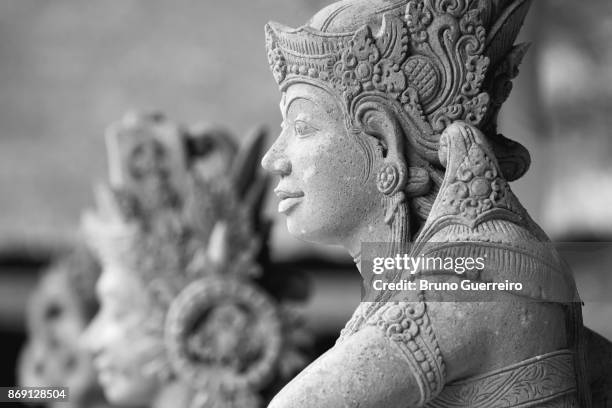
[438, 60]
[158, 213]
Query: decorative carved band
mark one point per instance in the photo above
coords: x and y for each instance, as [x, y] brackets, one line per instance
[408, 325]
[542, 381]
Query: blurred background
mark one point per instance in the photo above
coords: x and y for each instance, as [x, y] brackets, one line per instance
[69, 68]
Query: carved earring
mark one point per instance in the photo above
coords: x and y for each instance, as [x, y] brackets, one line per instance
[392, 177]
[390, 182]
[388, 179]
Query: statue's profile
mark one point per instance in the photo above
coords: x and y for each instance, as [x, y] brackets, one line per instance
[183, 320]
[60, 308]
[390, 135]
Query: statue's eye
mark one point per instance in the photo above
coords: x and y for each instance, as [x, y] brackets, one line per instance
[303, 129]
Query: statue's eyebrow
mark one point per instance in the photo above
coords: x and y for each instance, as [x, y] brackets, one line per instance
[297, 98]
[330, 110]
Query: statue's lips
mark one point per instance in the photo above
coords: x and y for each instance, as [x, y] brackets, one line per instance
[288, 199]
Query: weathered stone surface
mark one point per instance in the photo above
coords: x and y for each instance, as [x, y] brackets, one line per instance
[390, 136]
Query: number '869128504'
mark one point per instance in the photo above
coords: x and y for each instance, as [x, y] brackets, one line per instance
[33, 394]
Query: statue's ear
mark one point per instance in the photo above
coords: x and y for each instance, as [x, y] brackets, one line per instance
[381, 123]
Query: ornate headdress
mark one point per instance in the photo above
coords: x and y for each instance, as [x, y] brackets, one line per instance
[159, 212]
[438, 60]
[194, 240]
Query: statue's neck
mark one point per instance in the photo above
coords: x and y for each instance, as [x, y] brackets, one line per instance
[376, 231]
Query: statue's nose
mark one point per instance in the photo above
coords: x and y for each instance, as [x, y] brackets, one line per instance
[276, 162]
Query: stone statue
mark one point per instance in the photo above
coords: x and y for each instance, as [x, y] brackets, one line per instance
[59, 310]
[183, 321]
[389, 136]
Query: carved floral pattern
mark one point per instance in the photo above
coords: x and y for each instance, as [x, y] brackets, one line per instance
[477, 186]
[474, 185]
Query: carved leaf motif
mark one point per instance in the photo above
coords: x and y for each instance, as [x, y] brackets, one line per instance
[478, 187]
[389, 78]
[418, 18]
[453, 7]
[475, 75]
[276, 59]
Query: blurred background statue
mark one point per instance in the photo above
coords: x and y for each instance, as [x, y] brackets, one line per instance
[60, 309]
[390, 136]
[185, 318]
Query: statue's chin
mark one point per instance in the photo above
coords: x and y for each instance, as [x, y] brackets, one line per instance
[309, 231]
[297, 229]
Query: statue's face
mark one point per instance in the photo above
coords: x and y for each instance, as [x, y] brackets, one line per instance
[324, 189]
[120, 342]
[53, 355]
